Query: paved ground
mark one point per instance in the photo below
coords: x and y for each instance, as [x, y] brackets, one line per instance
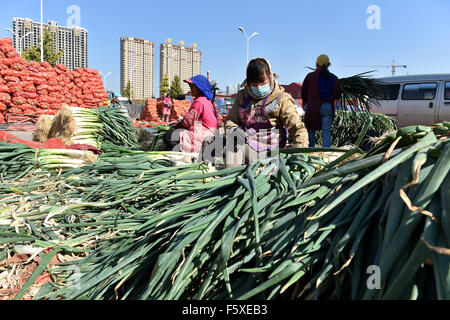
[21, 131]
[25, 135]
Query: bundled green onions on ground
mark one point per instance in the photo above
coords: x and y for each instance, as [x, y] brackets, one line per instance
[152, 139]
[289, 235]
[18, 160]
[95, 127]
[63, 158]
[74, 125]
[348, 125]
[269, 230]
[118, 128]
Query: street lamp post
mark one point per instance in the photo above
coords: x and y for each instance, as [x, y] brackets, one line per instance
[248, 38]
[20, 42]
[11, 30]
[104, 78]
[13, 34]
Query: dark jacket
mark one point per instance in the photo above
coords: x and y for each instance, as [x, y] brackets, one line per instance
[311, 98]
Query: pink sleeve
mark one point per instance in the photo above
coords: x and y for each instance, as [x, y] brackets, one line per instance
[192, 115]
[197, 106]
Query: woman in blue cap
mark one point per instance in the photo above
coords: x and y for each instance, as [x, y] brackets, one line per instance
[201, 120]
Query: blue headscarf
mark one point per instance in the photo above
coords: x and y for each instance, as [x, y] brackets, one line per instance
[203, 85]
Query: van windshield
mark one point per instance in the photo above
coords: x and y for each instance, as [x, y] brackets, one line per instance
[447, 91]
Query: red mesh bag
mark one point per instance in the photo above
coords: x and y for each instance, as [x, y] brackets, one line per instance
[12, 79]
[4, 88]
[5, 98]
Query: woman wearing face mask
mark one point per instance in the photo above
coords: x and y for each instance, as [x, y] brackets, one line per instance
[320, 91]
[263, 115]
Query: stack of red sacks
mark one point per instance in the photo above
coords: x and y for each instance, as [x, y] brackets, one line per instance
[48, 90]
[34, 88]
[81, 87]
[179, 109]
[87, 87]
[151, 111]
[160, 106]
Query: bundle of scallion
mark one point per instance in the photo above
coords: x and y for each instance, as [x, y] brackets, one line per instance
[120, 154]
[88, 126]
[78, 209]
[253, 234]
[64, 158]
[168, 232]
[117, 128]
[74, 125]
[347, 126]
[186, 203]
[18, 160]
[94, 127]
[85, 199]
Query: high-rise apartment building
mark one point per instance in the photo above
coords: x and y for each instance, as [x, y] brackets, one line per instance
[137, 66]
[176, 59]
[72, 40]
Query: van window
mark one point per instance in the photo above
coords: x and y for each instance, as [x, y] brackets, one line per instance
[390, 92]
[419, 91]
[447, 91]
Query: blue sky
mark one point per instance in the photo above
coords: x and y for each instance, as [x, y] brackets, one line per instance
[292, 33]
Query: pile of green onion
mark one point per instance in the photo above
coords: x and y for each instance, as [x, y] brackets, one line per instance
[18, 160]
[147, 229]
[88, 126]
[63, 158]
[347, 126]
[103, 126]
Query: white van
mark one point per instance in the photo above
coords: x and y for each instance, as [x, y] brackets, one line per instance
[416, 99]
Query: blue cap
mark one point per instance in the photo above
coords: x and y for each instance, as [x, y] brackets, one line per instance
[202, 83]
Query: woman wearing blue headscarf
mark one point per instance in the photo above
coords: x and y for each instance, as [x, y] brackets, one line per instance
[200, 122]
